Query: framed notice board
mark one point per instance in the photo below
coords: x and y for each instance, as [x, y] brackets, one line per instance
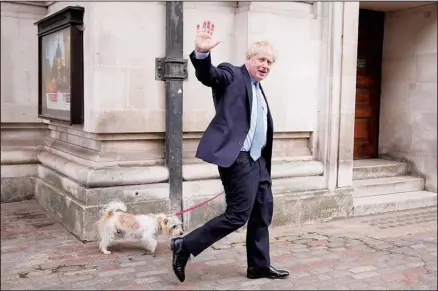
[61, 66]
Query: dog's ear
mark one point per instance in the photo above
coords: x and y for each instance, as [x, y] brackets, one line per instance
[166, 220]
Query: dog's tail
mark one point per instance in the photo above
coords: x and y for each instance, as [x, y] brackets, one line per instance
[112, 207]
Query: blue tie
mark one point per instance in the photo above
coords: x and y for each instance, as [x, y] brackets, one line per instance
[259, 135]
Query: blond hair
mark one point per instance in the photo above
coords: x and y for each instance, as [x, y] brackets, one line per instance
[260, 47]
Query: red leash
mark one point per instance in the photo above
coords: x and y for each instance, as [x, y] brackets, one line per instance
[199, 205]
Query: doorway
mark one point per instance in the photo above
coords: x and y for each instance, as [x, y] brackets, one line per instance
[368, 82]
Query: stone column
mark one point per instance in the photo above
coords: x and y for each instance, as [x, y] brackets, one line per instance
[348, 93]
[330, 88]
[117, 154]
[22, 132]
[338, 91]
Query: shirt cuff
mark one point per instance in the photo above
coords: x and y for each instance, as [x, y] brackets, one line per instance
[200, 55]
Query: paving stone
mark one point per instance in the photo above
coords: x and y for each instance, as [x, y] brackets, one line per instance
[365, 275]
[340, 273]
[152, 273]
[362, 269]
[116, 272]
[322, 270]
[319, 257]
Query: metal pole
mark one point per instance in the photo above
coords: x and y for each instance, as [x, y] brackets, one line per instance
[173, 71]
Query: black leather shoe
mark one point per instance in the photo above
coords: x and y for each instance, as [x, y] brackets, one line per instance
[180, 258]
[270, 273]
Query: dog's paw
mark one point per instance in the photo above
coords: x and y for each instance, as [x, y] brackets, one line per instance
[105, 252]
[149, 253]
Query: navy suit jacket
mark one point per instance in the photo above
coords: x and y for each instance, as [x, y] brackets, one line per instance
[232, 97]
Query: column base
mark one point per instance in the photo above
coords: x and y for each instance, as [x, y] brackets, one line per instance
[299, 189]
[77, 207]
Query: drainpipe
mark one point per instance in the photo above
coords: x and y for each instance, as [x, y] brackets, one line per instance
[172, 69]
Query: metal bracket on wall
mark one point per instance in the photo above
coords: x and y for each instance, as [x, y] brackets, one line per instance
[170, 69]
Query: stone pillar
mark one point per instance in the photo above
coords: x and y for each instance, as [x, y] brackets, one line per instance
[117, 154]
[331, 72]
[22, 132]
[338, 91]
[348, 93]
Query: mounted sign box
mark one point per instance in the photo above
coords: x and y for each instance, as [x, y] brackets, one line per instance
[61, 66]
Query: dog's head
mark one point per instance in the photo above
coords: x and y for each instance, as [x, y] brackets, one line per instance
[170, 225]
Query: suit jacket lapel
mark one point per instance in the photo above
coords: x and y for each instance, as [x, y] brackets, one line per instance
[248, 90]
[263, 92]
[267, 105]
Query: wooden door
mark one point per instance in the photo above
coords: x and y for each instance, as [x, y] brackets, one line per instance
[369, 64]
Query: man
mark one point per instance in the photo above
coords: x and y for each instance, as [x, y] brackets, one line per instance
[239, 141]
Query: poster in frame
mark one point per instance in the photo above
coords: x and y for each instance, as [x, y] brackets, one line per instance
[61, 66]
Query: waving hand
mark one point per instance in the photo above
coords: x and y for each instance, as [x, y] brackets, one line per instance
[204, 41]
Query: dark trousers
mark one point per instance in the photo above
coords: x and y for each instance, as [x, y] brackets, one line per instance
[248, 194]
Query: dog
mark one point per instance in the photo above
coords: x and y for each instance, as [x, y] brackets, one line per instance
[115, 220]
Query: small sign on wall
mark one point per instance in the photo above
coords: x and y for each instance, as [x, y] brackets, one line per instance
[60, 66]
[361, 63]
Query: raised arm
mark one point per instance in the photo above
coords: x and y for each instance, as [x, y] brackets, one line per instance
[209, 75]
[206, 73]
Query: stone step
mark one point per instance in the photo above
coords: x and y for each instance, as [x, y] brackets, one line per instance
[386, 185]
[280, 169]
[393, 202]
[378, 168]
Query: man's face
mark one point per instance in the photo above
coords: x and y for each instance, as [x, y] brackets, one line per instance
[259, 65]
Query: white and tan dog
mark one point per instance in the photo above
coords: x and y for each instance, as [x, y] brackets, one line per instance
[114, 220]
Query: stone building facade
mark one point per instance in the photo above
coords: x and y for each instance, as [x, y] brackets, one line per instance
[348, 140]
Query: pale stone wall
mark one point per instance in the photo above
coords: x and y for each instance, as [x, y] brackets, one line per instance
[408, 115]
[22, 133]
[124, 53]
[19, 66]
[121, 42]
[134, 100]
[296, 36]
[118, 152]
[198, 106]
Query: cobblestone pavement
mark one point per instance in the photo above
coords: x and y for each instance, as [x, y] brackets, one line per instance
[395, 251]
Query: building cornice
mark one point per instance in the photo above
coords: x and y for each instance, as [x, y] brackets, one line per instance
[33, 3]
